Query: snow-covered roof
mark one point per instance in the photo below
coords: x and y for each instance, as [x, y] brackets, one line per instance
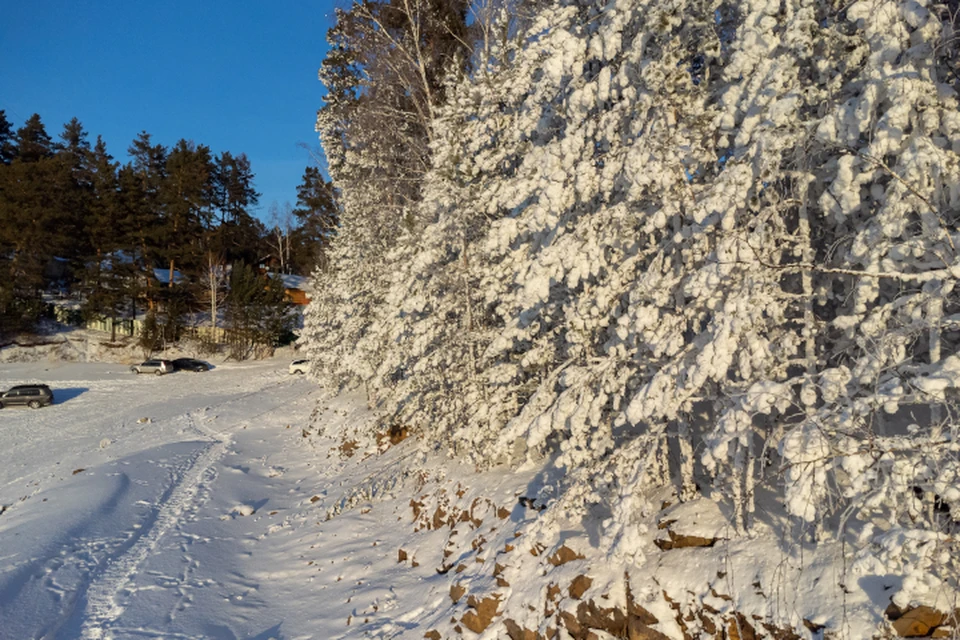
[292, 281]
[163, 276]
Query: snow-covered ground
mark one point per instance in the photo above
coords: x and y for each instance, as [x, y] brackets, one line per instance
[180, 506]
[231, 504]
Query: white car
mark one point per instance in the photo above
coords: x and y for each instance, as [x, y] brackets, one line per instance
[299, 366]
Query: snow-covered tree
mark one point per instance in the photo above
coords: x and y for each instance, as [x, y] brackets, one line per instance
[694, 242]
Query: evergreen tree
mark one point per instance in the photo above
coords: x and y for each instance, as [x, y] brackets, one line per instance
[187, 197]
[30, 217]
[236, 233]
[74, 192]
[109, 279]
[318, 217]
[141, 184]
[8, 149]
[257, 312]
[32, 142]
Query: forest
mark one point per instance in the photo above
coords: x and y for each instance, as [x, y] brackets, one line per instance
[169, 233]
[700, 246]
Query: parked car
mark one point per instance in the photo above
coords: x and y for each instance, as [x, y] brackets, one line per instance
[190, 364]
[299, 366]
[28, 395]
[158, 367]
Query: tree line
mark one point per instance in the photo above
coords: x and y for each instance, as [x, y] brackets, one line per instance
[159, 234]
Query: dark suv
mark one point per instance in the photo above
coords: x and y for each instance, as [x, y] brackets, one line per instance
[30, 395]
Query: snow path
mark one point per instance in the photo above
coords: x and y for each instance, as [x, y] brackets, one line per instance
[103, 604]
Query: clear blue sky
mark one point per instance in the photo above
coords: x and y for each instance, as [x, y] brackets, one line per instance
[235, 76]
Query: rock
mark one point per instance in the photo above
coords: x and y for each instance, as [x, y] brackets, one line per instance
[401, 555]
[593, 616]
[483, 612]
[641, 614]
[918, 622]
[516, 632]
[433, 634]
[456, 592]
[739, 628]
[698, 523]
[579, 586]
[439, 518]
[637, 630]
[679, 541]
[563, 555]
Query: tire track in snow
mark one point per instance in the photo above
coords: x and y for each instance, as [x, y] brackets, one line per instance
[103, 605]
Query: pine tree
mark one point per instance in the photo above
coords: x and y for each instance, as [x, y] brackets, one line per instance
[257, 312]
[7, 145]
[29, 217]
[32, 142]
[141, 183]
[187, 203]
[110, 280]
[318, 216]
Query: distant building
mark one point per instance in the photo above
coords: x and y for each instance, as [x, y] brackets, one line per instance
[297, 288]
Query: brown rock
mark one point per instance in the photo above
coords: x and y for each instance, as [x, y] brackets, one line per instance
[401, 555]
[579, 586]
[553, 591]
[433, 634]
[563, 555]
[612, 620]
[680, 541]
[439, 518]
[348, 448]
[813, 626]
[572, 625]
[503, 513]
[637, 630]
[501, 582]
[739, 628]
[641, 614]
[553, 595]
[417, 508]
[918, 622]
[483, 612]
[516, 632]
[778, 633]
[456, 592]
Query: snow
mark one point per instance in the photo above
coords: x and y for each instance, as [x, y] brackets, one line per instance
[114, 501]
[222, 505]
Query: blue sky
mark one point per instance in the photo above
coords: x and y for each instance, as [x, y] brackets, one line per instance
[235, 76]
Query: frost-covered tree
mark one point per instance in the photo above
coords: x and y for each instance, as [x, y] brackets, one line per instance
[688, 243]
